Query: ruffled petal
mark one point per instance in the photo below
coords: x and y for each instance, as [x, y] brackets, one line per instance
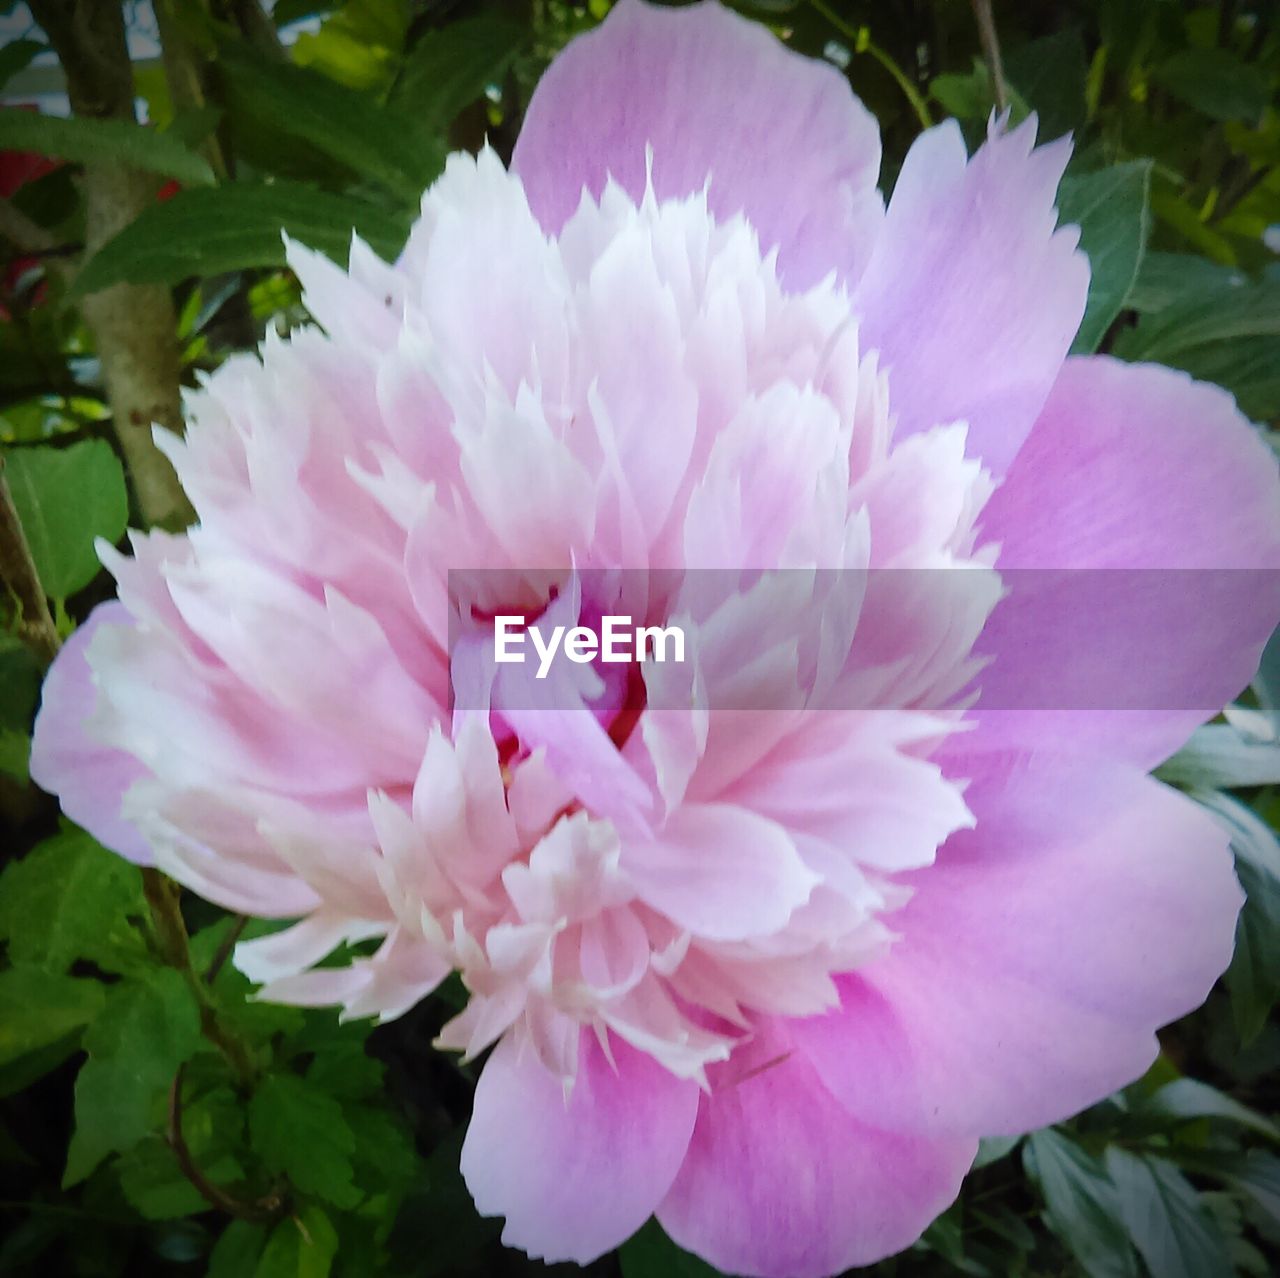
[1159, 508]
[780, 138]
[971, 297]
[1037, 957]
[575, 1177]
[89, 779]
[781, 1182]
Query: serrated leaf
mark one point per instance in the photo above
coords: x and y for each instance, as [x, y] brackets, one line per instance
[1188, 1098]
[1111, 208]
[299, 1247]
[300, 1132]
[1175, 1235]
[69, 898]
[148, 1028]
[153, 1180]
[66, 498]
[345, 124]
[87, 141]
[450, 67]
[40, 1008]
[1081, 1203]
[233, 227]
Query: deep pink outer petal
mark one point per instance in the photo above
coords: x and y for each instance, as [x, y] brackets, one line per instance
[780, 1181]
[781, 137]
[971, 297]
[1090, 906]
[90, 780]
[1138, 468]
[575, 1179]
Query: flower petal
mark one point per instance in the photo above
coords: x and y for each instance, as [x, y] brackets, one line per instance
[575, 1177]
[970, 296]
[780, 137]
[781, 1182]
[90, 780]
[1090, 906]
[720, 871]
[1130, 467]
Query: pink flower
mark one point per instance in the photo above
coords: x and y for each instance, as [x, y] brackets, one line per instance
[766, 969]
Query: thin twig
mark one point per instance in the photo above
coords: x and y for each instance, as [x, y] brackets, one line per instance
[224, 950]
[860, 39]
[18, 570]
[991, 52]
[267, 1208]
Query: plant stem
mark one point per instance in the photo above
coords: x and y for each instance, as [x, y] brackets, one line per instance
[134, 326]
[991, 52]
[18, 570]
[164, 899]
[268, 1208]
[862, 43]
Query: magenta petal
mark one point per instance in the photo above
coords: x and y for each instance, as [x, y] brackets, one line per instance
[89, 779]
[575, 1178]
[971, 297]
[781, 137]
[1090, 906]
[1147, 471]
[780, 1181]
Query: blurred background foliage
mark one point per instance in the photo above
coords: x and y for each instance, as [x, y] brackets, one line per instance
[153, 1120]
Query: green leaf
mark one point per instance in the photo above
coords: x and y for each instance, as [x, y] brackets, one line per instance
[1226, 336]
[1188, 1098]
[66, 498]
[1111, 209]
[1081, 1204]
[16, 56]
[230, 228]
[651, 1254]
[1220, 756]
[302, 1246]
[992, 1149]
[450, 67]
[235, 1254]
[147, 1029]
[1216, 83]
[1050, 75]
[1253, 979]
[40, 1008]
[1175, 1235]
[1168, 278]
[299, 1131]
[15, 752]
[19, 684]
[344, 124]
[115, 141]
[154, 1182]
[69, 898]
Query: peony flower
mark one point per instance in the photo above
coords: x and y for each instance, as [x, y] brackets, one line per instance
[763, 941]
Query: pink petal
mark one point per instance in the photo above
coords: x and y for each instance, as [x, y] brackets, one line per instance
[575, 1177]
[781, 137]
[781, 1182]
[719, 871]
[970, 296]
[1090, 906]
[1142, 469]
[90, 780]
